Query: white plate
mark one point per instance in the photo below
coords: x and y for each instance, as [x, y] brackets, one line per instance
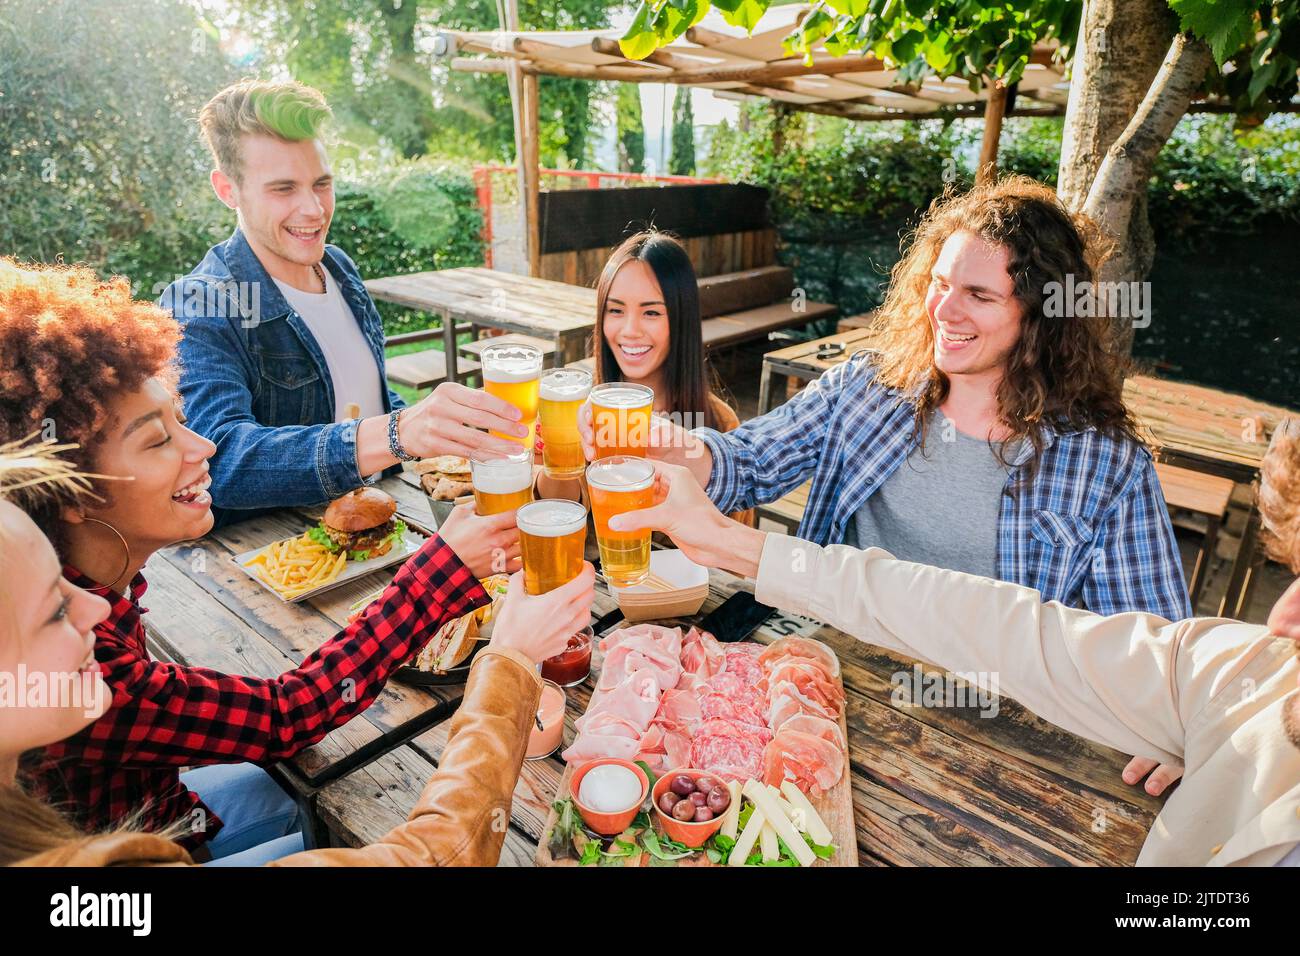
[352, 570]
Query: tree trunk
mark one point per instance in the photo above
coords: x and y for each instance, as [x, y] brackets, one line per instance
[1120, 47]
[1127, 167]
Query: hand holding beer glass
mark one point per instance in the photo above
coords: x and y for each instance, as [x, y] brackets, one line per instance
[511, 373]
[619, 484]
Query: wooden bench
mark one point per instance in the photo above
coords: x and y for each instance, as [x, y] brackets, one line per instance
[545, 346]
[427, 369]
[1205, 495]
[1202, 494]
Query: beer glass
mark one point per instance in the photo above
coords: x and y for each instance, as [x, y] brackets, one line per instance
[563, 391]
[552, 533]
[511, 373]
[619, 484]
[501, 484]
[620, 418]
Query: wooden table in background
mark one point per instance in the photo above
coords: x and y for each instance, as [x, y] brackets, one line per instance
[555, 311]
[205, 611]
[931, 785]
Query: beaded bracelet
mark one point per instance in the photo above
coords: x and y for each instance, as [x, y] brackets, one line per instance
[394, 443]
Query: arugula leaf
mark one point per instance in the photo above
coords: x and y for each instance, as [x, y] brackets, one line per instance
[590, 853]
[650, 840]
[650, 774]
[820, 851]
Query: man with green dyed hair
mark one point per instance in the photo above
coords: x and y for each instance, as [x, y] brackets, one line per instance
[283, 349]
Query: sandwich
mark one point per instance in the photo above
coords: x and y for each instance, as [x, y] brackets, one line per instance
[362, 523]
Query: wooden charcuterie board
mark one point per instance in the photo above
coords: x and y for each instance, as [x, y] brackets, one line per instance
[835, 807]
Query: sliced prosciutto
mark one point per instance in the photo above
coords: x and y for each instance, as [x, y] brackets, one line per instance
[817, 726]
[702, 654]
[809, 677]
[813, 763]
[785, 700]
[641, 647]
[801, 647]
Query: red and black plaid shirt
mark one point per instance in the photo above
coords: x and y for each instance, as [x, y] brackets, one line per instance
[165, 717]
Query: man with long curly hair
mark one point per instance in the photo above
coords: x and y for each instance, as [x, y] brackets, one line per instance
[283, 349]
[982, 433]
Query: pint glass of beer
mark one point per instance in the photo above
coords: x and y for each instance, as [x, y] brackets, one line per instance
[501, 484]
[620, 418]
[618, 484]
[511, 373]
[562, 394]
[552, 532]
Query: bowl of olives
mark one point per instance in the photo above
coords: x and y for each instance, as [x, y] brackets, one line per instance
[690, 805]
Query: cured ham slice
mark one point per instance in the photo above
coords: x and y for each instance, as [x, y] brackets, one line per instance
[785, 701]
[635, 699]
[813, 763]
[701, 653]
[817, 726]
[801, 647]
[641, 647]
[681, 707]
[594, 746]
[809, 676]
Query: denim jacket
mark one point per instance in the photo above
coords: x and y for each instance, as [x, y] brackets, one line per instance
[254, 381]
[1088, 528]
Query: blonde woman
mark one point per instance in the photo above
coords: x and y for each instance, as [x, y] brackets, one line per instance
[47, 637]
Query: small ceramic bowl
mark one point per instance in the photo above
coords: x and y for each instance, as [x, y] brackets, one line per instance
[608, 824]
[691, 834]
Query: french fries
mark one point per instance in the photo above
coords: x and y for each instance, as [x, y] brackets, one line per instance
[294, 566]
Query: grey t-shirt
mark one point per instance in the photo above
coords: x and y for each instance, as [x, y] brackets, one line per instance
[941, 506]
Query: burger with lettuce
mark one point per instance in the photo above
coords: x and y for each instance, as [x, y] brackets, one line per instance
[362, 523]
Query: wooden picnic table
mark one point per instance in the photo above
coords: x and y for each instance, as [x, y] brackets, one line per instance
[555, 311]
[205, 611]
[1190, 426]
[931, 785]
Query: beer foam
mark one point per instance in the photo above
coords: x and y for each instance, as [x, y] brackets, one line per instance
[630, 474]
[565, 385]
[511, 371]
[551, 517]
[623, 396]
[502, 478]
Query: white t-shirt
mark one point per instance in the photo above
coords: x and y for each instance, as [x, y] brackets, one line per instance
[351, 365]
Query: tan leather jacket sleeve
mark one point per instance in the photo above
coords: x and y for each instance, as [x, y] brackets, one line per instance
[462, 815]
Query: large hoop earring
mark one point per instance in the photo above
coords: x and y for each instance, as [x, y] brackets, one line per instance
[125, 547]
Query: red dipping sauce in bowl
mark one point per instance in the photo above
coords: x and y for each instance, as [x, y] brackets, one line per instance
[572, 665]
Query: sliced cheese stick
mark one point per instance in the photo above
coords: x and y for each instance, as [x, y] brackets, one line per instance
[798, 819]
[816, 827]
[745, 845]
[762, 800]
[731, 819]
[767, 842]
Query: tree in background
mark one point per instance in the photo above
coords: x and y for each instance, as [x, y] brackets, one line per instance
[1136, 65]
[101, 161]
[682, 160]
[631, 131]
[366, 56]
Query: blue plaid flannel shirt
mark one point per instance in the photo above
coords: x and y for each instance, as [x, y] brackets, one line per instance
[1090, 529]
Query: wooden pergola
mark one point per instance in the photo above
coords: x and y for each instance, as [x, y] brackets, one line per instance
[717, 56]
